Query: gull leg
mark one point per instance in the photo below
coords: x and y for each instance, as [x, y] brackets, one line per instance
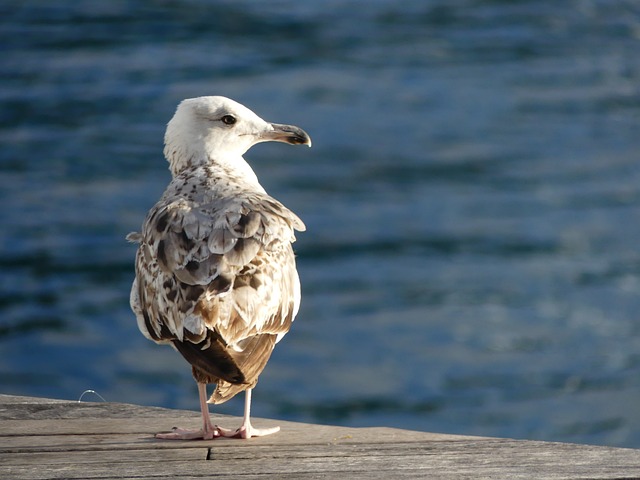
[246, 430]
[208, 430]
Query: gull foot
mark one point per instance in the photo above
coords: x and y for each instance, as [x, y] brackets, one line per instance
[247, 431]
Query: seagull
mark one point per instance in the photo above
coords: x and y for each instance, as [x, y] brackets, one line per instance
[215, 272]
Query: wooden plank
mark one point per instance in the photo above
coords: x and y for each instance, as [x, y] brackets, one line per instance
[303, 435]
[486, 457]
[137, 430]
[106, 456]
[442, 462]
[43, 439]
[27, 408]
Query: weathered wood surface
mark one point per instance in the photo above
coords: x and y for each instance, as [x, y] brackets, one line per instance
[47, 439]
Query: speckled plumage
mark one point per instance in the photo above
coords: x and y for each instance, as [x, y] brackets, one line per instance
[215, 269]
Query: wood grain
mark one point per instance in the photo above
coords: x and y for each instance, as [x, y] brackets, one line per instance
[51, 439]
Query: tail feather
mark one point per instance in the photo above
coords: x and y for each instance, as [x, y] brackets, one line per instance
[231, 369]
[253, 357]
[226, 391]
[213, 362]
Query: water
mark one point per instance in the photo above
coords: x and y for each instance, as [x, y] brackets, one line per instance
[472, 259]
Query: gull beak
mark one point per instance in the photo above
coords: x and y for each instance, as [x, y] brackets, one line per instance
[286, 133]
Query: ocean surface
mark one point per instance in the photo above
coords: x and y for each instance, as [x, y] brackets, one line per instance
[472, 200]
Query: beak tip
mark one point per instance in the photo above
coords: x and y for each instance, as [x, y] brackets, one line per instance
[305, 139]
[289, 134]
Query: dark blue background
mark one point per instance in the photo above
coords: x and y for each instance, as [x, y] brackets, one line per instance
[472, 259]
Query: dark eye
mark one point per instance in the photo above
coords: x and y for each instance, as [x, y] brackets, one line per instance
[228, 119]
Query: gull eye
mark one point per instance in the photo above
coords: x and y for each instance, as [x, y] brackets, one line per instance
[228, 120]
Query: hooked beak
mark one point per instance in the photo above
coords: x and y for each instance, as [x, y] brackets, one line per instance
[288, 134]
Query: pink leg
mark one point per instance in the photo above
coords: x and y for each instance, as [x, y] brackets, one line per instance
[246, 430]
[208, 430]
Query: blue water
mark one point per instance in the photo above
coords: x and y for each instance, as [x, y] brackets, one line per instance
[472, 198]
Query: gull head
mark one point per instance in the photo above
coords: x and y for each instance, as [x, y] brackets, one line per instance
[218, 129]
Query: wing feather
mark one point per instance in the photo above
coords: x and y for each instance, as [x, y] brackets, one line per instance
[218, 268]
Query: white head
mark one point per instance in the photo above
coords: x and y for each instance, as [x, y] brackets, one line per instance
[217, 129]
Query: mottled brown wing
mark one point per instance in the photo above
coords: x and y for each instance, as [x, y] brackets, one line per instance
[217, 279]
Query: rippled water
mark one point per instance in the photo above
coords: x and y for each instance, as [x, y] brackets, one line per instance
[472, 259]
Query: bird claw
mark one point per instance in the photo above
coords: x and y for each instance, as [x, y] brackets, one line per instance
[244, 432]
[257, 432]
[247, 431]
